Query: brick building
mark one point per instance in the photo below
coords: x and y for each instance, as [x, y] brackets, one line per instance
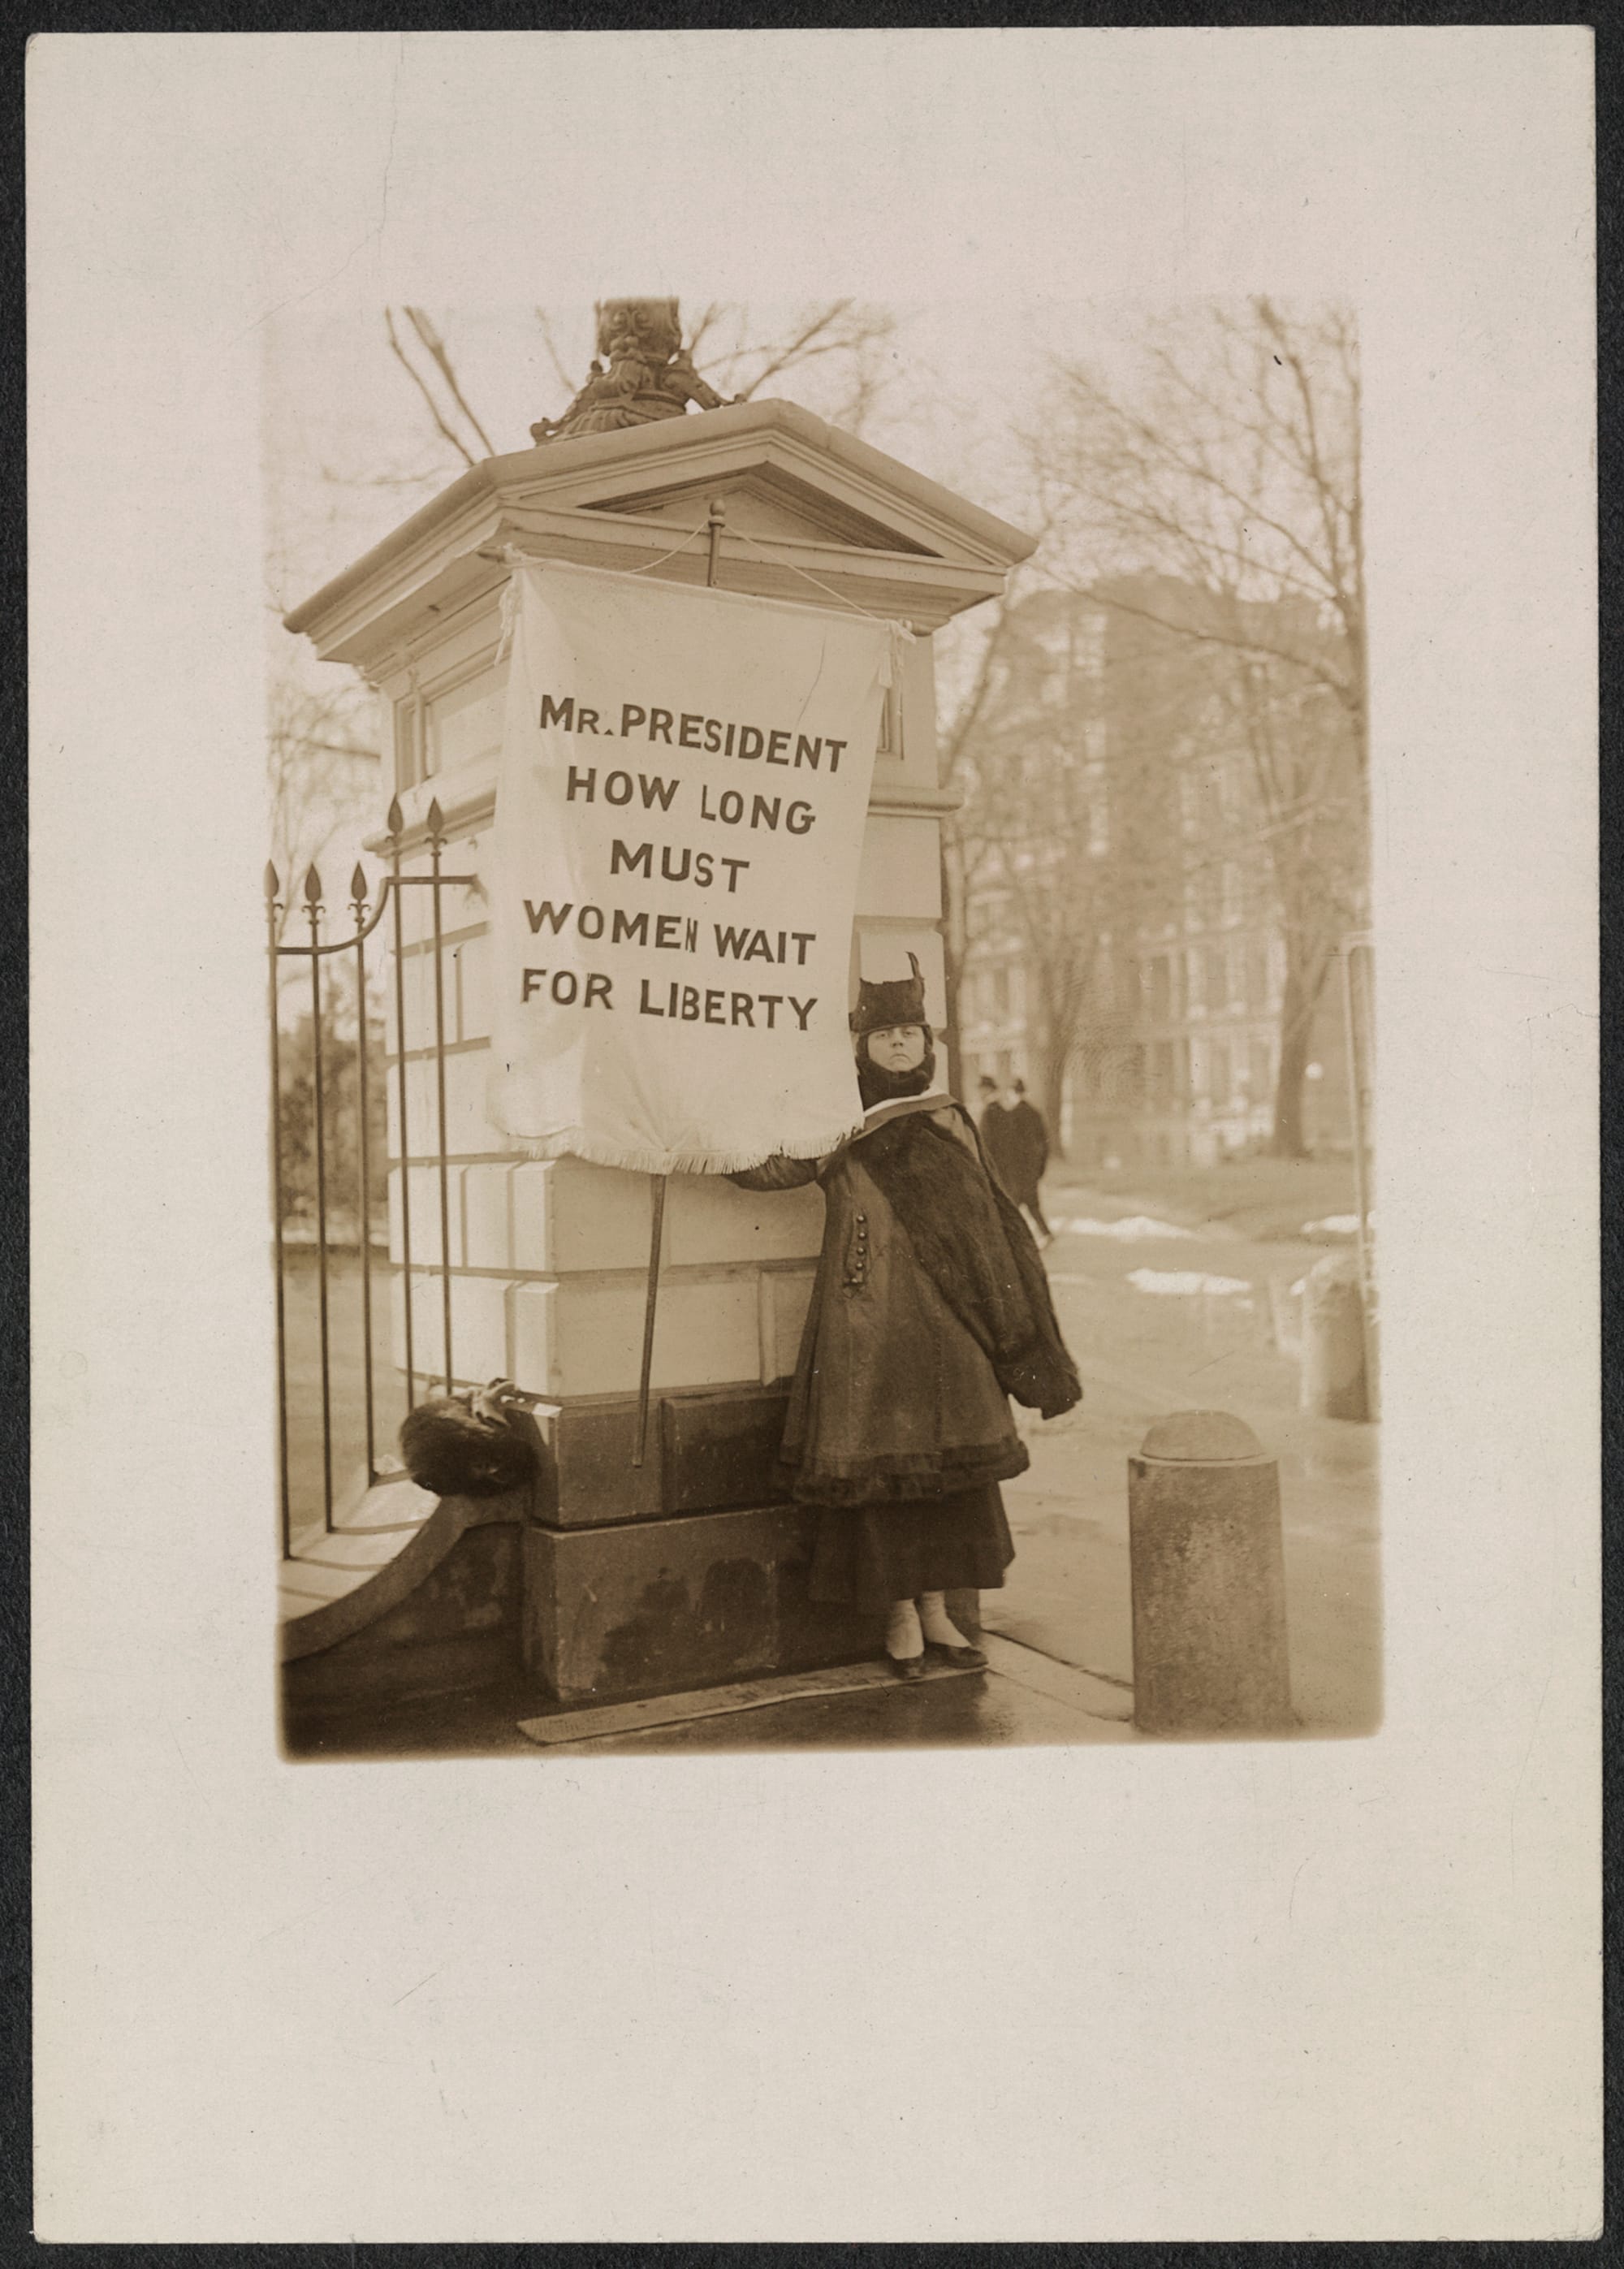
[1123, 952]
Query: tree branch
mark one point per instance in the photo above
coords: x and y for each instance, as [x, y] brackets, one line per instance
[405, 363]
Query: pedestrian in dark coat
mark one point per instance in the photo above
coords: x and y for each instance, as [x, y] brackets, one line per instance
[931, 1309]
[1017, 1142]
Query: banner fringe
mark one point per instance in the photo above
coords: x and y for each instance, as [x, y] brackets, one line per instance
[576, 1142]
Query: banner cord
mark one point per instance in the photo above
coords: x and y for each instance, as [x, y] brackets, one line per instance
[664, 556]
[515, 558]
[818, 585]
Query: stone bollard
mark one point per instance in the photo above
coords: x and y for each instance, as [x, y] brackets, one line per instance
[1334, 1373]
[1208, 1580]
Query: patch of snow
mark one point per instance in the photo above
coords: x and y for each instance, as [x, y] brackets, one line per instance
[1133, 1231]
[1334, 1224]
[1184, 1281]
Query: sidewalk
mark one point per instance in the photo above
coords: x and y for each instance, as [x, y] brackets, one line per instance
[1025, 1698]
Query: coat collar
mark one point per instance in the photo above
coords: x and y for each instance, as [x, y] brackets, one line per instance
[879, 1113]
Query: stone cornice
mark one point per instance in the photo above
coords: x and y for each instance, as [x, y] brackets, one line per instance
[579, 497]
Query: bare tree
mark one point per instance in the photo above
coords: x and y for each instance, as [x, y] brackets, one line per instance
[324, 769]
[1228, 471]
[965, 847]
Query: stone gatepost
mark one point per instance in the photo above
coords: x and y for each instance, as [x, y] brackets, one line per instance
[684, 1568]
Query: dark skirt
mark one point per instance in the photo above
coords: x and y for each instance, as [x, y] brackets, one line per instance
[865, 1556]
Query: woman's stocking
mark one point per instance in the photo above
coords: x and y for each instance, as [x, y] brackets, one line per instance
[935, 1622]
[902, 1637]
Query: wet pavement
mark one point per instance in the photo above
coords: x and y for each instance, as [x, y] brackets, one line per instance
[1025, 1698]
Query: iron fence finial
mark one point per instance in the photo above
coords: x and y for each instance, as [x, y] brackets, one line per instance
[395, 818]
[313, 887]
[273, 881]
[358, 887]
[437, 819]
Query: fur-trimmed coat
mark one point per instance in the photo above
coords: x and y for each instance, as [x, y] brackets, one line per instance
[930, 1310]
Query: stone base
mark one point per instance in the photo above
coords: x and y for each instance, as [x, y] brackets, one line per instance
[651, 1607]
[458, 1629]
[712, 1449]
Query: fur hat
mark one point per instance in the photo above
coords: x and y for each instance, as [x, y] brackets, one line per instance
[899, 1001]
[987, 1086]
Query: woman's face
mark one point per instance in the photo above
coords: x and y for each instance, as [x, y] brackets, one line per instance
[898, 1047]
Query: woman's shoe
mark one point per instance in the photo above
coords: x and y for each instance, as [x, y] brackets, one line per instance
[906, 1666]
[961, 1658]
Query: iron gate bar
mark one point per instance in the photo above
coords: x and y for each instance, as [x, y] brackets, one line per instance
[273, 907]
[312, 906]
[437, 840]
[357, 899]
[396, 826]
[390, 890]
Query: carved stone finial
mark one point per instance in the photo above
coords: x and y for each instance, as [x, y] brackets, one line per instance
[649, 374]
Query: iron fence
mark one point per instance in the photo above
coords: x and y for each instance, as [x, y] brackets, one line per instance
[366, 916]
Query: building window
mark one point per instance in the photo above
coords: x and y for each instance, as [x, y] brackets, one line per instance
[1000, 990]
[1162, 1075]
[1257, 976]
[1216, 980]
[1218, 1076]
[1262, 1071]
[1160, 975]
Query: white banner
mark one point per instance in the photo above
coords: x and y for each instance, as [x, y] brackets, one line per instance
[680, 809]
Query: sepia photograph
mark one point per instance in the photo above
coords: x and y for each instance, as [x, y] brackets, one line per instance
[816, 1387]
[821, 995]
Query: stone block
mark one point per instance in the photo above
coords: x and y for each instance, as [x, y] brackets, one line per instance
[461, 906]
[655, 1606]
[417, 999]
[709, 1450]
[900, 873]
[578, 1336]
[707, 1219]
[422, 1194]
[570, 1214]
[487, 1239]
[479, 1336]
[467, 1130]
[721, 1451]
[471, 961]
[786, 1296]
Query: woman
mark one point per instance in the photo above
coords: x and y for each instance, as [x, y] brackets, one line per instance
[930, 1310]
